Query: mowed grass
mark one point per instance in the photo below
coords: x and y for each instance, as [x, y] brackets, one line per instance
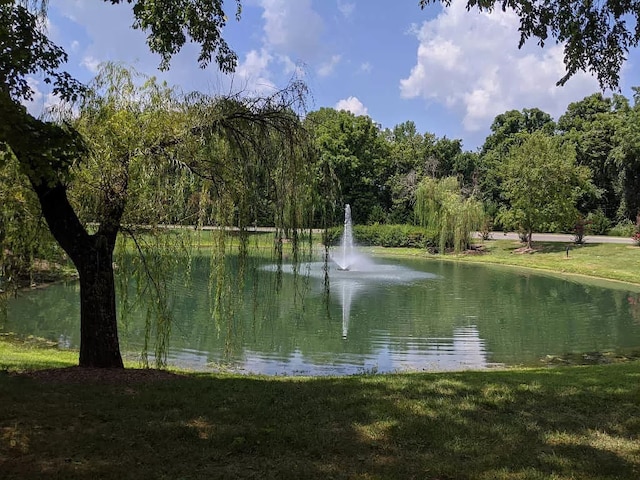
[606, 261]
[560, 423]
[580, 422]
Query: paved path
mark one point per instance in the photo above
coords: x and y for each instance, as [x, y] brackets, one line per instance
[559, 237]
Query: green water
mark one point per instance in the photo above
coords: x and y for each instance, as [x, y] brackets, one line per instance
[399, 315]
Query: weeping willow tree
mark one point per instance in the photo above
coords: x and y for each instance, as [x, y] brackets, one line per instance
[448, 216]
[158, 157]
[119, 134]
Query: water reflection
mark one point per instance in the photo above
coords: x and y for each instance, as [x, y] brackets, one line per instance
[398, 316]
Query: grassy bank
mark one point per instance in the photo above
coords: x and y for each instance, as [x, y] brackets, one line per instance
[607, 261]
[563, 423]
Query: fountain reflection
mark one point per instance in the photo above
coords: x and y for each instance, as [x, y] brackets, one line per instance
[351, 273]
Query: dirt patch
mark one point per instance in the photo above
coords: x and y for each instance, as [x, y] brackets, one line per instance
[110, 376]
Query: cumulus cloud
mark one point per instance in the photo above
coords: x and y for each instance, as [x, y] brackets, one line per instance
[470, 61]
[353, 105]
[328, 67]
[90, 63]
[253, 72]
[292, 28]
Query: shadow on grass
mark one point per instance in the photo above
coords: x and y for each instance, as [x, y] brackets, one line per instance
[559, 423]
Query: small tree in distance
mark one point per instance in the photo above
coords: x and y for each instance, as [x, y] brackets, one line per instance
[449, 217]
[542, 183]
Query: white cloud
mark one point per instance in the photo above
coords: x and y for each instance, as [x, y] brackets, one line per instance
[470, 61]
[253, 73]
[41, 101]
[366, 67]
[353, 105]
[292, 28]
[328, 67]
[346, 8]
[90, 63]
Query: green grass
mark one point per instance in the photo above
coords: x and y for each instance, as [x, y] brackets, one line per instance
[580, 422]
[607, 261]
[561, 423]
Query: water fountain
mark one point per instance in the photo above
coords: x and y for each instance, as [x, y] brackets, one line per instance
[346, 257]
[352, 271]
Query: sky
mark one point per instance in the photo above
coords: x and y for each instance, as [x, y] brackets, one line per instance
[448, 70]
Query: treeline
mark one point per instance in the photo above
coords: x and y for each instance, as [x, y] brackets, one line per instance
[580, 173]
[380, 170]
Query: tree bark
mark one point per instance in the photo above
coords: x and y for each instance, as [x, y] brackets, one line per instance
[93, 257]
[99, 345]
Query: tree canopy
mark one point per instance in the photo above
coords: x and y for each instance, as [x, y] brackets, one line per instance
[542, 182]
[596, 35]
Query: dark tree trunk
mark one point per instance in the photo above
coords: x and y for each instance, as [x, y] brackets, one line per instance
[45, 152]
[99, 346]
[93, 257]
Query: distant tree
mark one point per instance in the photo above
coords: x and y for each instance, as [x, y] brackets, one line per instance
[592, 125]
[355, 149]
[542, 182]
[506, 130]
[596, 35]
[446, 213]
[626, 159]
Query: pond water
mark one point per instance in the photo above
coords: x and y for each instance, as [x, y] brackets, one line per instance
[395, 315]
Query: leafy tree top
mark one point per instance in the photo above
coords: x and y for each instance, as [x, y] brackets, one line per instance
[170, 23]
[597, 35]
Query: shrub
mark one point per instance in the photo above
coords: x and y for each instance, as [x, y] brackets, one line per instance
[597, 223]
[626, 228]
[385, 236]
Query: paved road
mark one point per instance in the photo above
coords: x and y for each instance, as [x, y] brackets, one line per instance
[560, 237]
[540, 237]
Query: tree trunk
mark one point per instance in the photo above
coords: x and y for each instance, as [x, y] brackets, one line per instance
[99, 346]
[93, 257]
[45, 152]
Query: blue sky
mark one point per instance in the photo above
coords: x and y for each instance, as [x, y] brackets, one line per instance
[448, 70]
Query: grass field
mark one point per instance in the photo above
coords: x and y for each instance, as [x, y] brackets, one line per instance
[578, 423]
[606, 261]
[561, 423]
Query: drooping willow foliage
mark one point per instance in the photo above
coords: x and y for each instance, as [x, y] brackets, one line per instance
[449, 217]
[227, 163]
[256, 160]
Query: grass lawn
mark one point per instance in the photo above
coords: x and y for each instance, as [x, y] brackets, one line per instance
[559, 423]
[605, 260]
[579, 422]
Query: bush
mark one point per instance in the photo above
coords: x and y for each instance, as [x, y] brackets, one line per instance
[597, 223]
[385, 236]
[626, 228]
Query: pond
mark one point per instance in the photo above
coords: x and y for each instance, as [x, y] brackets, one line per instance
[396, 315]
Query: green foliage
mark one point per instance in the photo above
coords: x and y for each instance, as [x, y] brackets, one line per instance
[624, 228]
[26, 50]
[353, 149]
[409, 236]
[596, 35]
[543, 183]
[591, 125]
[170, 23]
[446, 214]
[597, 223]
[24, 236]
